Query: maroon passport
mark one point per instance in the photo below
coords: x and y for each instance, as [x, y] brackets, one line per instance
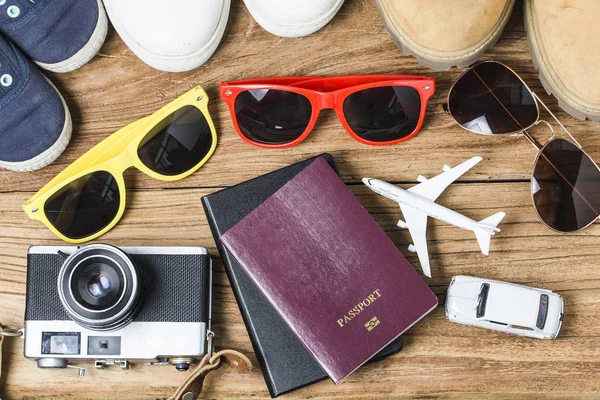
[330, 271]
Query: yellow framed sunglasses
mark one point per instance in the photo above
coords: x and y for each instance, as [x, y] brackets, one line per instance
[88, 198]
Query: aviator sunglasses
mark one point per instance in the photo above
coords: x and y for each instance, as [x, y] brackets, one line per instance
[374, 109]
[88, 197]
[491, 99]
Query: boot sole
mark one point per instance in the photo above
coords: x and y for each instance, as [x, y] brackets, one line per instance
[88, 51]
[459, 59]
[552, 85]
[51, 154]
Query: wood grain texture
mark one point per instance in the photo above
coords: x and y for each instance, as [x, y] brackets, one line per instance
[440, 359]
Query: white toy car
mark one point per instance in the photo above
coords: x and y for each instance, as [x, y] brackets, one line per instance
[505, 307]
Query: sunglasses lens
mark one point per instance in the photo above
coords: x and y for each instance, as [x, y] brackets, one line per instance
[272, 116]
[383, 114]
[178, 143]
[566, 187]
[84, 206]
[489, 98]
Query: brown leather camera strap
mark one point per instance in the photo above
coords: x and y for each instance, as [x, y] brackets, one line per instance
[190, 389]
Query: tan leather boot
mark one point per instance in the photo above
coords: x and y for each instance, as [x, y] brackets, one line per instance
[564, 38]
[445, 33]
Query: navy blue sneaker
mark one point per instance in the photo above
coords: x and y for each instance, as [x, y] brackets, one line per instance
[58, 35]
[35, 123]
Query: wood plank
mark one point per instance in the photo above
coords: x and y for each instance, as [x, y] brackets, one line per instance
[440, 358]
[117, 88]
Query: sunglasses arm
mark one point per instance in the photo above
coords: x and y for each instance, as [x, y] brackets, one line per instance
[556, 119]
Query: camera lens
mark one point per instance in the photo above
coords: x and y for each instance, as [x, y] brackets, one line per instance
[99, 287]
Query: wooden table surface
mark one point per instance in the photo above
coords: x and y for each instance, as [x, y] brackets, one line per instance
[440, 359]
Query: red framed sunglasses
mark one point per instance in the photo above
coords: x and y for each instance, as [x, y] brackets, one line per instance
[374, 109]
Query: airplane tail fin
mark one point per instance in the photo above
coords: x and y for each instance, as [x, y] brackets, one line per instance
[484, 239]
[489, 226]
[493, 221]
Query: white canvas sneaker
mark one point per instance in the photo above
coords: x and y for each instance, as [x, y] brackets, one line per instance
[174, 35]
[293, 18]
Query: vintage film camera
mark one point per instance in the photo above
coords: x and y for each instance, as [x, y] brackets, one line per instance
[113, 306]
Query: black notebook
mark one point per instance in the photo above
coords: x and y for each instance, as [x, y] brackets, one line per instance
[284, 361]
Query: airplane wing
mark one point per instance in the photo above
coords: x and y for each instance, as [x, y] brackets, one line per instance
[434, 187]
[417, 226]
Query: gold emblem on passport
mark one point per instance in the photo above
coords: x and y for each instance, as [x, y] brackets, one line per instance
[373, 322]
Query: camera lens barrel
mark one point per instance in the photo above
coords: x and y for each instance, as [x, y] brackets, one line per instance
[99, 287]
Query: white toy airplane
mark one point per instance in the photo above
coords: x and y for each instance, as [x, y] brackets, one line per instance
[418, 203]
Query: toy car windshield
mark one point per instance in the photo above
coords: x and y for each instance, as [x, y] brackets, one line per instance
[543, 313]
[482, 300]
